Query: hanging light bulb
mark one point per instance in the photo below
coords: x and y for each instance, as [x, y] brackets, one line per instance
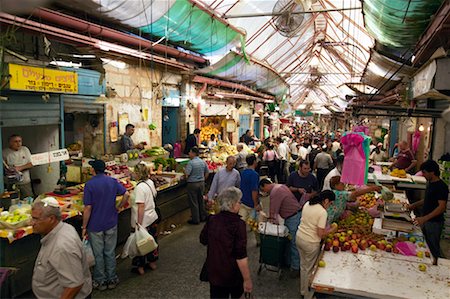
[421, 128]
[228, 116]
[166, 117]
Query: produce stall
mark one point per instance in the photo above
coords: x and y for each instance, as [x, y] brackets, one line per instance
[364, 258]
[19, 246]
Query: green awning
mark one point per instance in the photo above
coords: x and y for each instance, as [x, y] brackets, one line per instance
[398, 23]
[192, 28]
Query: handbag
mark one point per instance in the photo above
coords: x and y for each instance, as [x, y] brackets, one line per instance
[144, 241]
[204, 273]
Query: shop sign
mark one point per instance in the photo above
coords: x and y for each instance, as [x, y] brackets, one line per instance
[29, 78]
[50, 157]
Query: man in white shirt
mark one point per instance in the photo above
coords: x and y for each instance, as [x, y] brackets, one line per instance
[283, 154]
[334, 172]
[335, 145]
[18, 157]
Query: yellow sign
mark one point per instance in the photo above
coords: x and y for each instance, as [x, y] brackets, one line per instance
[42, 79]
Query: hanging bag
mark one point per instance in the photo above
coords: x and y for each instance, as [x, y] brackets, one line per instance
[87, 248]
[144, 241]
[130, 249]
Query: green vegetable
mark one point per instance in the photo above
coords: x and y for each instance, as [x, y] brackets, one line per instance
[160, 161]
[152, 126]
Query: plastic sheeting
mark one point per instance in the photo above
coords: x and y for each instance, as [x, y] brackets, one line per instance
[398, 23]
[234, 67]
[180, 22]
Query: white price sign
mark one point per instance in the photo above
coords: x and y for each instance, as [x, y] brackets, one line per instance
[49, 157]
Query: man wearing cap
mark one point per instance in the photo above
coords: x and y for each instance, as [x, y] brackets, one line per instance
[100, 218]
[61, 269]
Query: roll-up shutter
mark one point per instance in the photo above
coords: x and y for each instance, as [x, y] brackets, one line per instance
[29, 110]
[80, 104]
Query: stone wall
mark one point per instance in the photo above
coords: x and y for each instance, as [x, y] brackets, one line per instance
[132, 89]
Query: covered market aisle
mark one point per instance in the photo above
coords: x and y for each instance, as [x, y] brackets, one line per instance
[342, 101]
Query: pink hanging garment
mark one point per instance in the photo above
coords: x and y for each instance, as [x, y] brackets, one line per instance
[415, 141]
[354, 168]
[177, 150]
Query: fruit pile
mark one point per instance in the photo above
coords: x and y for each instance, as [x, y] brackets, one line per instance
[117, 170]
[349, 240]
[126, 183]
[253, 224]
[360, 222]
[399, 173]
[205, 133]
[18, 217]
[367, 200]
[384, 170]
[213, 165]
[158, 180]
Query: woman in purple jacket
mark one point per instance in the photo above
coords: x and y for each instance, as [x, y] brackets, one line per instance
[226, 237]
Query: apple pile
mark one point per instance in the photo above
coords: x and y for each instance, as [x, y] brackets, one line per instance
[118, 170]
[213, 165]
[16, 217]
[126, 183]
[359, 222]
[351, 241]
[367, 200]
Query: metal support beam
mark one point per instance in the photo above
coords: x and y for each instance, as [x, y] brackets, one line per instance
[271, 14]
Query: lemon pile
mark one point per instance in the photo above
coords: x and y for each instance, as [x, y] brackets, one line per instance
[399, 173]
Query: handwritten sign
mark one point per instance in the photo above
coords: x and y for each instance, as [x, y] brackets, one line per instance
[50, 157]
[42, 79]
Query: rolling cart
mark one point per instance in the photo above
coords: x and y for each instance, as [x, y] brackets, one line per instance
[273, 247]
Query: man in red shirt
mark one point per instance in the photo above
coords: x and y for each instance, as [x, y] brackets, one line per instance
[283, 203]
[405, 158]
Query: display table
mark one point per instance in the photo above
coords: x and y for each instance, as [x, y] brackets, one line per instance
[20, 249]
[381, 276]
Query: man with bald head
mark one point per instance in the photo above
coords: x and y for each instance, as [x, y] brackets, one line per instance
[61, 269]
[405, 158]
[226, 177]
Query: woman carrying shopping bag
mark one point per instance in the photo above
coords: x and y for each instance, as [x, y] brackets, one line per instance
[144, 213]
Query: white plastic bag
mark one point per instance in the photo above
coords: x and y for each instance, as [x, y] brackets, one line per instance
[144, 241]
[90, 258]
[130, 248]
[268, 228]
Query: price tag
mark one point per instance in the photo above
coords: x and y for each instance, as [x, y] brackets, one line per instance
[39, 159]
[59, 155]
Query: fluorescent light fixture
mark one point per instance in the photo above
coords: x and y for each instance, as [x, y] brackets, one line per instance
[66, 64]
[87, 56]
[269, 101]
[219, 96]
[301, 106]
[115, 63]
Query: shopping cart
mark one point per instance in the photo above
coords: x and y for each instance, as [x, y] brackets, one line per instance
[273, 247]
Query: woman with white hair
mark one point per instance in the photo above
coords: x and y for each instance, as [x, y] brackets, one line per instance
[226, 237]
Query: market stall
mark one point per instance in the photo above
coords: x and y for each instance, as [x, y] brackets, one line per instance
[19, 246]
[364, 258]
